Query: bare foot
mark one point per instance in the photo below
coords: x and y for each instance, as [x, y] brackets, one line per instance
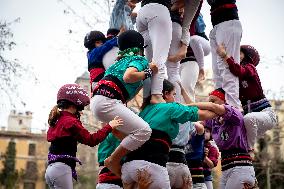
[113, 166]
[201, 75]
[181, 54]
[155, 99]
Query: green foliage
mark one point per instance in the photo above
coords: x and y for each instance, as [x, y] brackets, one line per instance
[8, 175]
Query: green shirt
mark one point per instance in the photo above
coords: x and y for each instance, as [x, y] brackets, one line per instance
[107, 147]
[118, 69]
[166, 116]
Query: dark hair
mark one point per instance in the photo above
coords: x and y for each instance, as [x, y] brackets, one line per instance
[55, 111]
[210, 129]
[111, 33]
[91, 38]
[221, 90]
[167, 87]
[130, 39]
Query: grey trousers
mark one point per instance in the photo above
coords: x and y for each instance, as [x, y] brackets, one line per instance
[58, 175]
[136, 129]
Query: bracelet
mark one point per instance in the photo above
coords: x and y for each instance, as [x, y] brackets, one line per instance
[148, 73]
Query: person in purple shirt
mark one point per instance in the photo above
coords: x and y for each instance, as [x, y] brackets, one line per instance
[259, 115]
[229, 133]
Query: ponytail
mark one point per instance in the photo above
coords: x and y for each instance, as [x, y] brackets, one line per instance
[53, 116]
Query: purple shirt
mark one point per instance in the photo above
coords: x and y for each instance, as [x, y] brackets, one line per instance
[232, 133]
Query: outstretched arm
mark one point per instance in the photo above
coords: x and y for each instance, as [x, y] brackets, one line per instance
[216, 108]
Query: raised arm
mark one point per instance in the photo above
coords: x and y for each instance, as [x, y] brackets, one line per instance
[184, 94]
[238, 70]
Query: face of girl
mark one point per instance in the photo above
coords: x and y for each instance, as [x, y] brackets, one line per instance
[207, 134]
[170, 96]
[216, 100]
[98, 43]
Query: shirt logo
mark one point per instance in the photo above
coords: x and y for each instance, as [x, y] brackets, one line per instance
[224, 135]
[245, 84]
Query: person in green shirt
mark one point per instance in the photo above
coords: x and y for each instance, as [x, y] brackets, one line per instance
[164, 119]
[121, 82]
[107, 179]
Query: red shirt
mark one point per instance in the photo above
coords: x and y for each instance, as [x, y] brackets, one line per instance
[213, 155]
[250, 85]
[69, 125]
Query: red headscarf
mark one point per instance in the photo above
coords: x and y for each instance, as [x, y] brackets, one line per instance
[218, 93]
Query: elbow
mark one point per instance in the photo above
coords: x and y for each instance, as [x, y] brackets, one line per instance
[127, 78]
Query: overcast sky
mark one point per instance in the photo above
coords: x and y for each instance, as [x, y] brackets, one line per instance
[58, 57]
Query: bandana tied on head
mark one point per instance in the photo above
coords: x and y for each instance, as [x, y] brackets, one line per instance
[218, 93]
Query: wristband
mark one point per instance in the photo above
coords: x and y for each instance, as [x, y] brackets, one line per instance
[148, 73]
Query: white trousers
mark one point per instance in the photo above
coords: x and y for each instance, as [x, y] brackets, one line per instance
[257, 123]
[201, 48]
[199, 186]
[107, 186]
[228, 33]
[58, 175]
[136, 129]
[178, 171]
[173, 67]
[154, 23]
[110, 57]
[189, 75]
[190, 9]
[235, 177]
[209, 184]
[159, 174]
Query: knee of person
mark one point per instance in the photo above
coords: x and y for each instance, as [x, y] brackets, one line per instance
[249, 121]
[193, 41]
[147, 131]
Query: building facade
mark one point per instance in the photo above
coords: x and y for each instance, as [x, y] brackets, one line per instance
[31, 154]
